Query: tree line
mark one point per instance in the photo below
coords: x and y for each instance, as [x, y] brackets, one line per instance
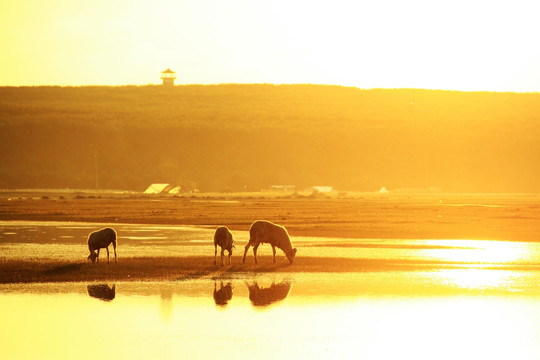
[246, 137]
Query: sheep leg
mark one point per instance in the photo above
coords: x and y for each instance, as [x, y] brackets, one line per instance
[215, 254]
[255, 247]
[222, 255]
[107, 254]
[114, 247]
[230, 254]
[245, 252]
[97, 257]
[274, 253]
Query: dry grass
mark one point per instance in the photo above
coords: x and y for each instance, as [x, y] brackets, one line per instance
[185, 268]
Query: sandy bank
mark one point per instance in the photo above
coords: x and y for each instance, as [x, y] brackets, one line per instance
[495, 217]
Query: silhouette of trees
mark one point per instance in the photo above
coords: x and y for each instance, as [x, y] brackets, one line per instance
[245, 137]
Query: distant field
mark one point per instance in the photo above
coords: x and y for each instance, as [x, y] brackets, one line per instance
[391, 216]
[248, 137]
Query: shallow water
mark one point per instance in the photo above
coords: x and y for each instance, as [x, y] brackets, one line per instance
[488, 307]
[366, 315]
[68, 241]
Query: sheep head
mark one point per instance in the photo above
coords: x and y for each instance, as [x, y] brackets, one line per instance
[290, 255]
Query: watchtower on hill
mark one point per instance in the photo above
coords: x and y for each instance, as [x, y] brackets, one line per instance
[168, 76]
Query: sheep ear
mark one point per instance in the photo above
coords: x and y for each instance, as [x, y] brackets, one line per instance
[294, 251]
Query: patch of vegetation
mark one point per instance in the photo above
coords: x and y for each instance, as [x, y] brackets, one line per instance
[247, 137]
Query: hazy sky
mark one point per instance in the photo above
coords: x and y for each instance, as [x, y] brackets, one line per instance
[458, 44]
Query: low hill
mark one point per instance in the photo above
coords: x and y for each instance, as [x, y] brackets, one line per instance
[246, 137]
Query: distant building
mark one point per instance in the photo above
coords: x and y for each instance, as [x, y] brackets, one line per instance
[322, 189]
[281, 188]
[159, 189]
[168, 76]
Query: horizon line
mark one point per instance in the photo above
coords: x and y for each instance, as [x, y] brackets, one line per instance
[265, 83]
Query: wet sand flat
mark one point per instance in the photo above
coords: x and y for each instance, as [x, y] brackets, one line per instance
[437, 216]
[170, 238]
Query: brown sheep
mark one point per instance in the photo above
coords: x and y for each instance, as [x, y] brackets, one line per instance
[225, 239]
[101, 239]
[276, 235]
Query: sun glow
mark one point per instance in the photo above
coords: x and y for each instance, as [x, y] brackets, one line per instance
[461, 45]
[481, 263]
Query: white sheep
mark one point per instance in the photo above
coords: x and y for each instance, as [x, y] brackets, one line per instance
[101, 239]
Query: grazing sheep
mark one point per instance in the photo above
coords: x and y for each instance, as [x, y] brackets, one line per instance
[276, 235]
[101, 239]
[225, 240]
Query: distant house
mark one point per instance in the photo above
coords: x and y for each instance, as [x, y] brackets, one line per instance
[322, 189]
[283, 188]
[159, 189]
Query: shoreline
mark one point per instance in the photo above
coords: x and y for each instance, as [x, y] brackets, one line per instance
[16, 271]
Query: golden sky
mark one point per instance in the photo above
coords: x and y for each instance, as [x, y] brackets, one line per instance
[457, 45]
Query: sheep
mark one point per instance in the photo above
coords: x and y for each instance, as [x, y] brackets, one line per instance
[225, 239]
[276, 235]
[101, 239]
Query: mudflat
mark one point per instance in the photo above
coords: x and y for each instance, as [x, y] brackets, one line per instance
[362, 216]
[439, 216]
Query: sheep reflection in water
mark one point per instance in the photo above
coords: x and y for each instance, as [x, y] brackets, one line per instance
[265, 296]
[102, 291]
[223, 295]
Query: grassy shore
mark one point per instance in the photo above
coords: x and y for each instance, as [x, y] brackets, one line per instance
[185, 268]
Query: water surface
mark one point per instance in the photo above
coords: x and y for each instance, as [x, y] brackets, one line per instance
[488, 306]
[271, 316]
[68, 241]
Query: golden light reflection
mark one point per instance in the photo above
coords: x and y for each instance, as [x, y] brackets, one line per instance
[478, 279]
[448, 327]
[478, 251]
[481, 263]
[290, 42]
[355, 320]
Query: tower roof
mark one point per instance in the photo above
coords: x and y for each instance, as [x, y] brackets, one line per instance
[168, 71]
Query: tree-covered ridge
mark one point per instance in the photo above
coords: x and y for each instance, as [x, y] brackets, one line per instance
[250, 136]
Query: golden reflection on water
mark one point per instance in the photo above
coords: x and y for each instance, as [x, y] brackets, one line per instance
[465, 299]
[478, 279]
[481, 263]
[345, 326]
[479, 251]
[452, 328]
